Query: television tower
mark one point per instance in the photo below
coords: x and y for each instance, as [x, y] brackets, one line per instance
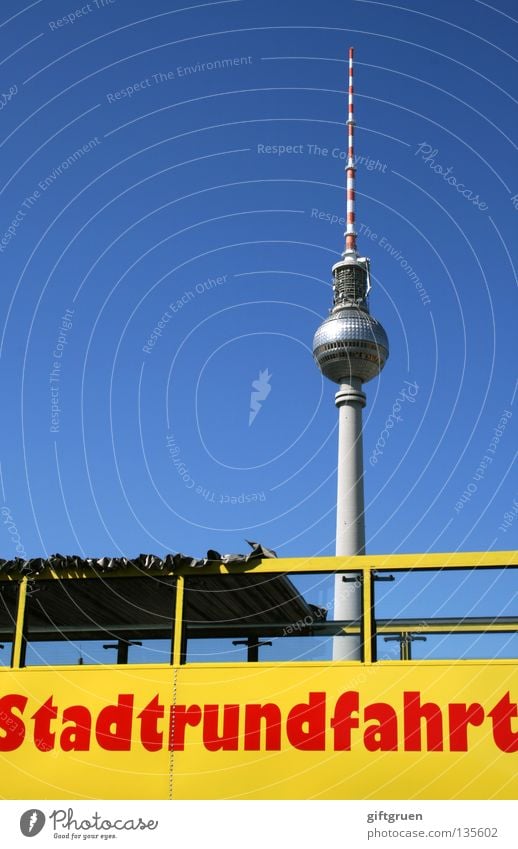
[350, 347]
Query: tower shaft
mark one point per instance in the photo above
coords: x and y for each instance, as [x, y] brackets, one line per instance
[350, 514]
[350, 517]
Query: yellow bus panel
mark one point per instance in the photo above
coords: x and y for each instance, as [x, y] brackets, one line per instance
[291, 731]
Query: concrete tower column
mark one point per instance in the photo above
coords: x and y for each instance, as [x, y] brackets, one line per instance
[350, 514]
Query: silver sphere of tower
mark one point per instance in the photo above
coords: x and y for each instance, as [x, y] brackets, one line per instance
[350, 343]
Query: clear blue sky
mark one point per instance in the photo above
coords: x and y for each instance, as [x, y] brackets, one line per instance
[140, 184]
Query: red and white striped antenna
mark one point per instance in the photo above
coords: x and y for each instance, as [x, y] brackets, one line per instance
[350, 233]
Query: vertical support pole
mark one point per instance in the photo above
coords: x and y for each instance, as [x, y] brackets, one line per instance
[404, 643]
[253, 649]
[18, 647]
[178, 622]
[369, 653]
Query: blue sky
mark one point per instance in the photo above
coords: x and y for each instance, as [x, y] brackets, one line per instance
[159, 253]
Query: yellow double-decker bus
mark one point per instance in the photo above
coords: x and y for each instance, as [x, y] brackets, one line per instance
[144, 680]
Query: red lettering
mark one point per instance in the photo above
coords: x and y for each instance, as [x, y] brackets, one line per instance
[180, 717]
[414, 711]
[381, 737]
[228, 740]
[12, 727]
[343, 721]
[312, 738]
[253, 716]
[43, 736]
[76, 738]
[150, 736]
[460, 717]
[221, 728]
[113, 726]
[502, 713]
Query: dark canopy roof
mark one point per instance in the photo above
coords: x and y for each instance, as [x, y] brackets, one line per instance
[144, 561]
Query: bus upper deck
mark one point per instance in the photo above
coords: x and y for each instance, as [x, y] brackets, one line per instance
[268, 610]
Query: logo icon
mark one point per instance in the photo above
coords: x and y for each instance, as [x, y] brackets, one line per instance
[262, 390]
[31, 822]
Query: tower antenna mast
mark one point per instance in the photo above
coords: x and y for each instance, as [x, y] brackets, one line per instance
[350, 233]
